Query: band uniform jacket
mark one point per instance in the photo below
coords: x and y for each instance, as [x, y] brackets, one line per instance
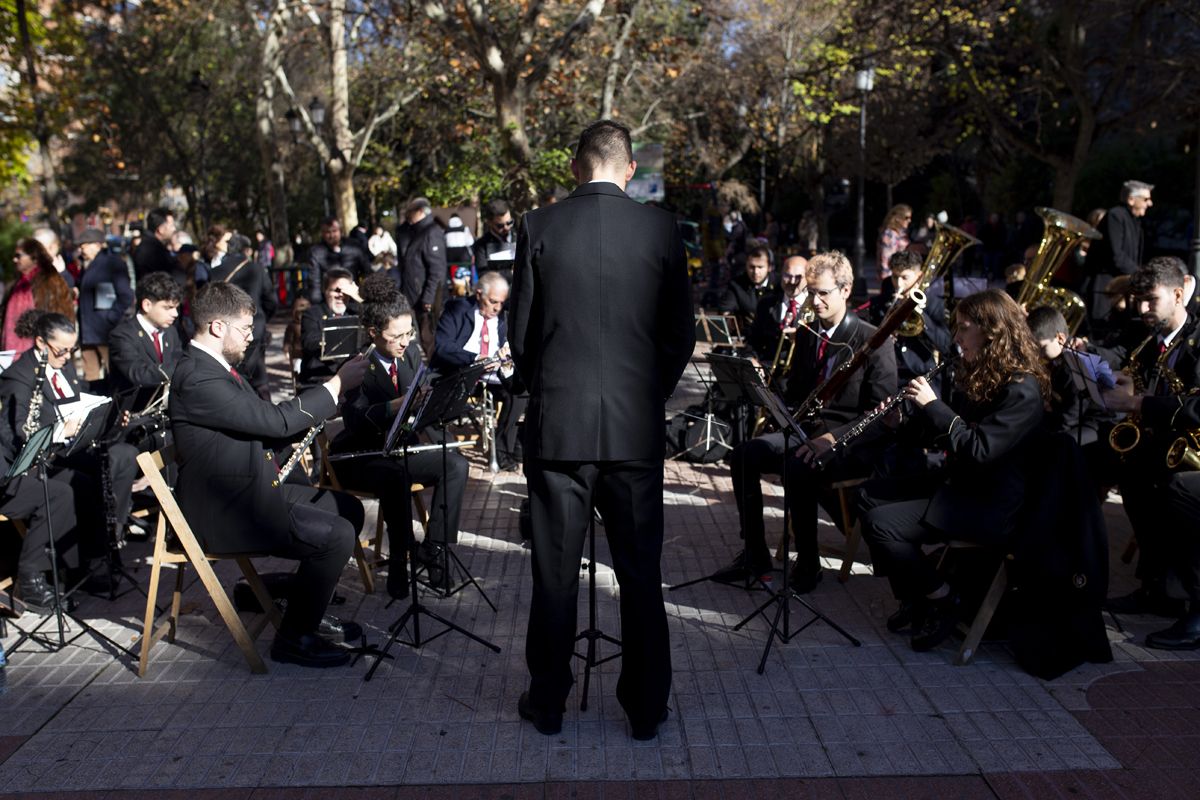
[600, 325]
[454, 330]
[16, 391]
[423, 263]
[742, 299]
[365, 410]
[868, 387]
[312, 368]
[763, 335]
[1184, 361]
[223, 434]
[133, 357]
[985, 463]
[104, 282]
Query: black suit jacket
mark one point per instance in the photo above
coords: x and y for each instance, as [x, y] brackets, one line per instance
[454, 329]
[133, 358]
[915, 354]
[601, 325]
[365, 411]
[742, 298]
[312, 368]
[152, 256]
[423, 263]
[865, 389]
[1120, 251]
[321, 259]
[250, 276]
[16, 392]
[763, 335]
[1159, 413]
[223, 431]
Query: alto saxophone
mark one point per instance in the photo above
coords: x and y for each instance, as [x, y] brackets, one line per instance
[1127, 434]
[33, 418]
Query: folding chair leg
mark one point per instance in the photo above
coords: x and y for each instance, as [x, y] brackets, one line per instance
[853, 538]
[364, 569]
[983, 617]
[148, 620]
[229, 615]
[270, 610]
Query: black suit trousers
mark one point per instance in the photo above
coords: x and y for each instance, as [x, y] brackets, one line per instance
[1183, 531]
[24, 499]
[628, 495]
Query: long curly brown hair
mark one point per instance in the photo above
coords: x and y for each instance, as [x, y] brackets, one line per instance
[1009, 349]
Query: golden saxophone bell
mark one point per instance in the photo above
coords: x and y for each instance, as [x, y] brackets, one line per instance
[1125, 436]
[1185, 451]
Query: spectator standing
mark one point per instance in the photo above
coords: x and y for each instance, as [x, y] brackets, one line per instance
[1122, 249]
[152, 254]
[497, 247]
[459, 255]
[893, 238]
[382, 242]
[104, 296]
[38, 285]
[50, 241]
[239, 268]
[423, 268]
[334, 251]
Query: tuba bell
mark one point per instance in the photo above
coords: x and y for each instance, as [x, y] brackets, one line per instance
[1063, 233]
[948, 244]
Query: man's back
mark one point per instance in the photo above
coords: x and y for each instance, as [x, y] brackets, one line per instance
[601, 325]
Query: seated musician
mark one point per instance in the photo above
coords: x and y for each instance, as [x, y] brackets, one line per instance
[833, 339]
[146, 347]
[368, 414]
[474, 329]
[778, 312]
[224, 434]
[1178, 505]
[339, 299]
[985, 426]
[1166, 363]
[743, 294]
[915, 355]
[1069, 408]
[45, 376]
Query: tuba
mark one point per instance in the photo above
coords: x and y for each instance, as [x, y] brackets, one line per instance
[948, 244]
[1063, 233]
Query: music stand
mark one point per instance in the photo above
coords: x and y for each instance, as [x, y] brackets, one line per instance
[736, 380]
[776, 408]
[1089, 374]
[341, 337]
[592, 633]
[434, 405]
[719, 329]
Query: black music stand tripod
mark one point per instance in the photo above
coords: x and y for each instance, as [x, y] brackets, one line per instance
[445, 398]
[781, 623]
[592, 634]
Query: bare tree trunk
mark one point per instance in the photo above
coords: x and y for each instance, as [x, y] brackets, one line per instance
[268, 151]
[613, 70]
[510, 115]
[341, 170]
[48, 180]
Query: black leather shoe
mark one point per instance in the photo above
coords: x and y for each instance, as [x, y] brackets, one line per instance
[803, 581]
[901, 618]
[940, 620]
[745, 567]
[1183, 635]
[339, 631]
[36, 593]
[397, 578]
[429, 557]
[1141, 601]
[547, 722]
[307, 650]
[645, 731]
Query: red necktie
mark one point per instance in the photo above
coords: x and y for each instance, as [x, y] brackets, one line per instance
[57, 389]
[1162, 346]
[235, 375]
[483, 341]
[821, 347]
[790, 316]
[157, 345]
[395, 379]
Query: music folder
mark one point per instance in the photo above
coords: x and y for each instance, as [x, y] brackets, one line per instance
[400, 422]
[341, 337]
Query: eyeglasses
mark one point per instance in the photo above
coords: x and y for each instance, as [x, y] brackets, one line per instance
[791, 278]
[400, 337]
[54, 351]
[506, 224]
[244, 330]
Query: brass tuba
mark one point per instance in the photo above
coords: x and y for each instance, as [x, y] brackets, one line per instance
[948, 244]
[1063, 233]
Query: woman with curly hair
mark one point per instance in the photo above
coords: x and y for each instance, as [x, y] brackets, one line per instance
[985, 428]
[38, 285]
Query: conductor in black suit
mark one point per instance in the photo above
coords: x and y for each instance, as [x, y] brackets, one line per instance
[601, 330]
[224, 435]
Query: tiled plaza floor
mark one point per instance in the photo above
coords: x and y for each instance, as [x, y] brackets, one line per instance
[825, 720]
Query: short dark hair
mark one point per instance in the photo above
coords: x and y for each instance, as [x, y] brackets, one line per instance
[328, 222]
[905, 259]
[1046, 322]
[1157, 273]
[604, 142]
[335, 274]
[156, 287]
[496, 208]
[1171, 261]
[36, 323]
[156, 218]
[758, 249]
[220, 300]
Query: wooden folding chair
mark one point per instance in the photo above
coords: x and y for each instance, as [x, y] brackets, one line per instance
[973, 633]
[186, 550]
[329, 480]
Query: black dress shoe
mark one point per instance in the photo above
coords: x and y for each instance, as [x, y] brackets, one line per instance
[307, 650]
[803, 581]
[339, 631]
[746, 566]
[547, 723]
[1183, 635]
[902, 617]
[645, 731]
[1141, 601]
[36, 593]
[939, 621]
[429, 557]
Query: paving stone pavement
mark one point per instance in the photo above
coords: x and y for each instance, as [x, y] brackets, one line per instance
[445, 714]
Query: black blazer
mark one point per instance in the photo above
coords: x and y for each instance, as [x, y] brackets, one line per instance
[321, 259]
[985, 466]
[423, 263]
[223, 434]
[454, 328]
[601, 325]
[16, 392]
[365, 411]
[133, 358]
[915, 354]
[312, 368]
[742, 298]
[107, 272]
[153, 256]
[865, 389]
[1120, 250]
[763, 336]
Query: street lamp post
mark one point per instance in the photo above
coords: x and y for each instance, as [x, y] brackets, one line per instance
[316, 112]
[864, 82]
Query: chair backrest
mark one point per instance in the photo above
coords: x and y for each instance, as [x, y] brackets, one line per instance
[328, 475]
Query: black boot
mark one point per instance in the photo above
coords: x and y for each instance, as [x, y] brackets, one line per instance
[36, 593]
[397, 579]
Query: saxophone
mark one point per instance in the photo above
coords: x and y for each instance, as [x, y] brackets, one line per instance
[1127, 434]
[33, 418]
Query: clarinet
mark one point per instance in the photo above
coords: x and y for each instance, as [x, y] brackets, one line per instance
[33, 418]
[871, 418]
[298, 453]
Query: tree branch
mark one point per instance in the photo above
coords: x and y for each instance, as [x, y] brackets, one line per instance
[546, 64]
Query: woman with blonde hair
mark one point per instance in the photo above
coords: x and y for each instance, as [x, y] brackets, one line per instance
[893, 238]
[985, 428]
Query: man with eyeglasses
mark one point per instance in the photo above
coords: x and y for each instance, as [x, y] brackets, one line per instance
[1123, 246]
[228, 472]
[497, 247]
[341, 300]
[779, 313]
